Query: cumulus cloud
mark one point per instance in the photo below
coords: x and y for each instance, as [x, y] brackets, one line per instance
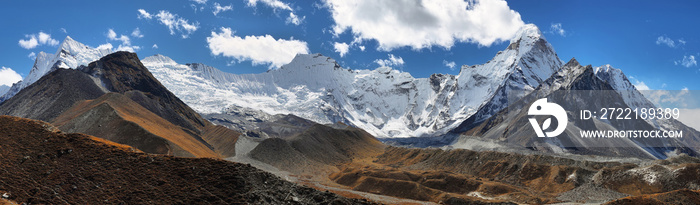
[155, 46]
[423, 24]
[200, 1]
[177, 24]
[294, 19]
[32, 56]
[218, 8]
[279, 5]
[557, 29]
[260, 50]
[172, 21]
[34, 40]
[137, 33]
[341, 48]
[668, 98]
[9, 76]
[390, 62]
[106, 46]
[687, 61]
[144, 15]
[126, 41]
[663, 40]
[641, 85]
[449, 64]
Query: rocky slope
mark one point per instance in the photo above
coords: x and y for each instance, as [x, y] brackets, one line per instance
[317, 150]
[155, 114]
[117, 118]
[522, 178]
[576, 87]
[42, 165]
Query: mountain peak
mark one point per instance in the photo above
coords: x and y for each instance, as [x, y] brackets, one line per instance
[71, 46]
[527, 31]
[158, 58]
[311, 60]
[573, 62]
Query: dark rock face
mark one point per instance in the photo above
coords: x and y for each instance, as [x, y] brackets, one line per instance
[51, 95]
[123, 72]
[41, 165]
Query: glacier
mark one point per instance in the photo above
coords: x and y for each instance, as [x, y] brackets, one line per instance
[385, 102]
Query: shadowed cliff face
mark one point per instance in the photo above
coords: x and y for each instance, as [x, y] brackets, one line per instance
[51, 95]
[143, 113]
[123, 72]
[41, 165]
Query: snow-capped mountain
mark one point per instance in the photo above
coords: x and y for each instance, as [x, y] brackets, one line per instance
[384, 102]
[70, 55]
[525, 64]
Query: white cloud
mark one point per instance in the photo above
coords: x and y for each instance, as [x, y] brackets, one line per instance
[668, 98]
[9, 76]
[258, 49]
[688, 61]
[200, 1]
[681, 42]
[38, 39]
[175, 23]
[218, 8]
[390, 62]
[105, 46]
[449, 64]
[32, 56]
[294, 19]
[362, 48]
[111, 35]
[277, 4]
[640, 85]
[126, 42]
[129, 48]
[557, 29]
[137, 33]
[155, 46]
[197, 8]
[665, 41]
[64, 30]
[144, 15]
[341, 48]
[423, 24]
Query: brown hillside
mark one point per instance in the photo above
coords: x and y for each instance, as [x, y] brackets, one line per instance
[123, 72]
[683, 196]
[41, 165]
[317, 149]
[117, 118]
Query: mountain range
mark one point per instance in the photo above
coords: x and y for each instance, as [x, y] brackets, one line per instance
[319, 124]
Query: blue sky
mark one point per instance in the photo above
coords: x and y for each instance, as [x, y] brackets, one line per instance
[654, 43]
